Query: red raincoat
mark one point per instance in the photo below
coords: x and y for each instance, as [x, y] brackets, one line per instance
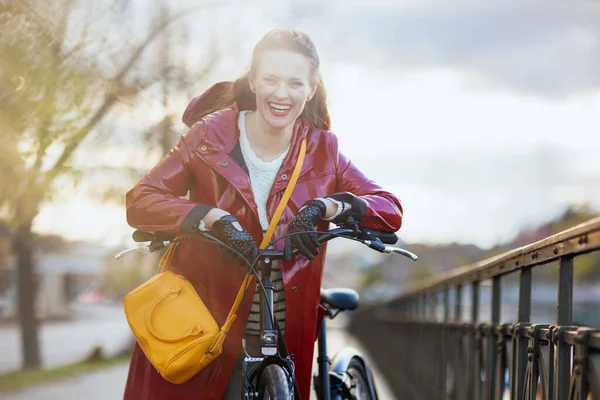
[201, 164]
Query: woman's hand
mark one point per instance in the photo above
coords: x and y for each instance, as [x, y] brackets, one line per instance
[229, 230]
[347, 205]
[212, 216]
[304, 223]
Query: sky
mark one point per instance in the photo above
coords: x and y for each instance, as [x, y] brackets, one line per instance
[482, 118]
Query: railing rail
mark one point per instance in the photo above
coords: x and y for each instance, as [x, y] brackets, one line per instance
[429, 351]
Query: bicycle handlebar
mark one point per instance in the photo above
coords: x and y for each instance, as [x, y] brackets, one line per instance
[372, 238]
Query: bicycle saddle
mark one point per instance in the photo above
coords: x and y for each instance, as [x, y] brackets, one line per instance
[341, 299]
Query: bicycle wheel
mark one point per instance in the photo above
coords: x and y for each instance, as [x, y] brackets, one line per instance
[273, 384]
[360, 381]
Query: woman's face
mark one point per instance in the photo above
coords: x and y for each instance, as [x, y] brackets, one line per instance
[282, 85]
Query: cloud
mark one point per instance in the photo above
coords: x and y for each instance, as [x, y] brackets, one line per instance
[550, 50]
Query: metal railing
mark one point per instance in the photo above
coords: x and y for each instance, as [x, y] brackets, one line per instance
[427, 352]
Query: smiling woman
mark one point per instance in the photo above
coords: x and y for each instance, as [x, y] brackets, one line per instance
[245, 140]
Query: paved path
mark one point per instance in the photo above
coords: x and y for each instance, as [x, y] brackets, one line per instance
[108, 384]
[69, 342]
[103, 385]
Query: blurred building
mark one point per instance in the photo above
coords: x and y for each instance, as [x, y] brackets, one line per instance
[61, 277]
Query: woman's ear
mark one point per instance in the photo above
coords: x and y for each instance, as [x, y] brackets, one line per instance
[313, 92]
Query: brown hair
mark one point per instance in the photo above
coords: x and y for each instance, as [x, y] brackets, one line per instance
[315, 111]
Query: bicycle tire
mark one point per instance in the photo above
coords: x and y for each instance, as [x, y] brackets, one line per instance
[360, 380]
[274, 384]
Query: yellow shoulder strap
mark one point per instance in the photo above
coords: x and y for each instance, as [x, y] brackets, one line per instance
[286, 196]
[267, 238]
[166, 258]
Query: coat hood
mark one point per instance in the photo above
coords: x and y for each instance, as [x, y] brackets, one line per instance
[217, 97]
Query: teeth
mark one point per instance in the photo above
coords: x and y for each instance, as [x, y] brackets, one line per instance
[279, 107]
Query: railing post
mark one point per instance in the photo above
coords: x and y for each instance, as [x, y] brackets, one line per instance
[458, 305]
[457, 341]
[416, 311]
[472, 373]
[564, 318]
[524, 315]
[433, 306]
[492, 344]
[444, 358]
[446, 305]
[414, 300]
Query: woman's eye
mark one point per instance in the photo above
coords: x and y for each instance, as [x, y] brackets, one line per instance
[297, 85]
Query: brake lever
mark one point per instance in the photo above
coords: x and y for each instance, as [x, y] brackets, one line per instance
[398, 250]
[145, 248]
[142, 248]
[377, 244]
[352, 223]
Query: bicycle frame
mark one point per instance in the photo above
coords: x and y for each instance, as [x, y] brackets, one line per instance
[269, 337]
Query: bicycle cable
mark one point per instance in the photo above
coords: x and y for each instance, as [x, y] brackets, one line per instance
[252, 266]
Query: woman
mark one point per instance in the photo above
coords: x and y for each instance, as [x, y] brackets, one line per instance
[235, 162]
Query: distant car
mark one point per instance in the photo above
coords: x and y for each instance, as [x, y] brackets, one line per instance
[90, 297]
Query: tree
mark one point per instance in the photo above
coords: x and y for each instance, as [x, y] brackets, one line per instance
[173, 78]
[53, 93]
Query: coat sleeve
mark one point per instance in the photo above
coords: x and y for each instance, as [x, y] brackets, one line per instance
[156, 202]
[384, 210]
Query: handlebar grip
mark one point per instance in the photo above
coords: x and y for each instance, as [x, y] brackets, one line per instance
[142, 236]
[385, 237]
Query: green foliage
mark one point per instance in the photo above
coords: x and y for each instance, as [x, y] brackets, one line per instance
[59, 78]
[587, 268]
[422, 272]
[45, 98]
[371, 276]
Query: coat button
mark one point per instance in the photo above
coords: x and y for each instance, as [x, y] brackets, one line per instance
[294, 288]
[284, 176]
[280, 222]
[203, 148]
[224, 163]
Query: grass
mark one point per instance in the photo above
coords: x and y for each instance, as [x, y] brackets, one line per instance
[21, 379]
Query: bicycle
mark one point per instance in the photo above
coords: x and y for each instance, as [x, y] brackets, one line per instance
[271, 376]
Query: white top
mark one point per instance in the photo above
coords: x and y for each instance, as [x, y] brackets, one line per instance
[262, 176]
[262, 173]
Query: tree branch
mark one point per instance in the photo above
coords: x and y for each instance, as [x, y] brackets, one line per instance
[152, 35]
[108, 102]
[111, 97]
[46, 122]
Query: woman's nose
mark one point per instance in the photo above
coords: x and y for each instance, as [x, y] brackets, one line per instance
[281, 91]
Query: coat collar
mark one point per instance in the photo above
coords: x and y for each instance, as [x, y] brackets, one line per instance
[222, 134]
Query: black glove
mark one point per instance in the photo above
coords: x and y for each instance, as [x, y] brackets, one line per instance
[229, 230]
[305, 221]
[352, 206]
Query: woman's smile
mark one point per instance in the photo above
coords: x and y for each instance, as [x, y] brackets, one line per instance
[279, 109]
